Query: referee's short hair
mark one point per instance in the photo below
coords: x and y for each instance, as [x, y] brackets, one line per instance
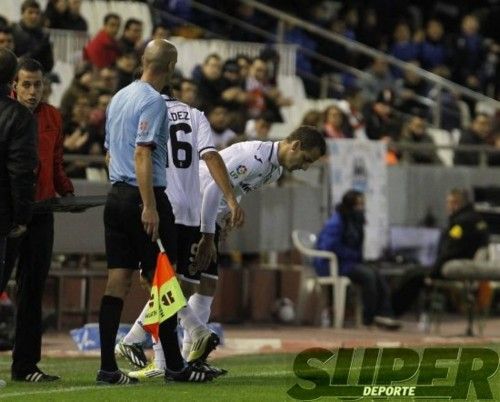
[8, 65]
[310, 137]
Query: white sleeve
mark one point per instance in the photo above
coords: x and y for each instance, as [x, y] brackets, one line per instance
[212, 197]
[205, 140]
[239, 164]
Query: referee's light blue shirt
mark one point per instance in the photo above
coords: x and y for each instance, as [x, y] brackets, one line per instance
[136, 116]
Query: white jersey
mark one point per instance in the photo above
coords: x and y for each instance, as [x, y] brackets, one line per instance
[250, 164]
[190, 136]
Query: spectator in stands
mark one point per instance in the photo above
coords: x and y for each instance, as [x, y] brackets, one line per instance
[369, 33]
[81, 85]
[243, 62]
[74, 20]
[410, 87]
[379, 78]
[219, 121]
[333, 49]
[380, 118]
[403, 46]
[263, 96]
[259, 128]
[160, 32]
[107, 80]
[6, 38]
[469, 54]
[55, 13]
[304, 69]
[125, 68]
[103, 50]
[433, 50]
[414, 132]
[313, 118]
[209, 81]
[131, 38]
[335, 123]
[343, 234]
[80, 137]
[30, 40]
[186, 91]
[476, 134]
[98, 113]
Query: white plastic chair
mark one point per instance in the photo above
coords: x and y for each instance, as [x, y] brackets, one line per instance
[305, 242]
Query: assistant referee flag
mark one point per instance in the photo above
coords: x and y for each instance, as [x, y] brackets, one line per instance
[166, 295]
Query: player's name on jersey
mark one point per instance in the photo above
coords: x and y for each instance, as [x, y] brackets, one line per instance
[179, 115]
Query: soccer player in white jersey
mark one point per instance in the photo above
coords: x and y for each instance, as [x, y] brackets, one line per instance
[190, 139]
[251, 165]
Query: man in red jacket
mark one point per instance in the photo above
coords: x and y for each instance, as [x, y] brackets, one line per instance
[103, 50]
[35, 247]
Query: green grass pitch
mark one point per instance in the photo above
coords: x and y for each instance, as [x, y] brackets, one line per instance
[252, 378]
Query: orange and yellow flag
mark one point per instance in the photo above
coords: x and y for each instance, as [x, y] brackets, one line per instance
[166, 296]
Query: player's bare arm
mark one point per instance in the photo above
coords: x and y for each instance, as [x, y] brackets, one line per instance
[144, 169]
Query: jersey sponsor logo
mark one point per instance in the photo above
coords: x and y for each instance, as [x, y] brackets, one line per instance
[240, 170]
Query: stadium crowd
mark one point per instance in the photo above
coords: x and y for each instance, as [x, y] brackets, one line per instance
[240, 96]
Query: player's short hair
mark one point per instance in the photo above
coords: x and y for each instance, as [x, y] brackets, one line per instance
[110, 16]
[29, 4]
[28, 64]
[8, 64]
[130, 22]
[310, 137]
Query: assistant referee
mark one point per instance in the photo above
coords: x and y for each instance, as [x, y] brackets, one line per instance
[137, 209]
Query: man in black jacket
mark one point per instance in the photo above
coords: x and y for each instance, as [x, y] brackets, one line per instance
[18, 158]
[464, 235]
[476, 134]
[466, 232]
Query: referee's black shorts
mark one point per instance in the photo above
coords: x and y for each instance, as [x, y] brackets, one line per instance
[188, 238]
[127, 244]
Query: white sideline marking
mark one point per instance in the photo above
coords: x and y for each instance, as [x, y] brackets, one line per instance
[104, 387]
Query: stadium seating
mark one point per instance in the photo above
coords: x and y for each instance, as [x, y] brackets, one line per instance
[304, 242]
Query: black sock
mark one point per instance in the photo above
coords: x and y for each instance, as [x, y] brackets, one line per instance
[170, 344]
[109, 320]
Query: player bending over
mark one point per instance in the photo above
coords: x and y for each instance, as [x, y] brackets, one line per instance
[250, 165]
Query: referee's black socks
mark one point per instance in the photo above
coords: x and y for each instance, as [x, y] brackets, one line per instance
[109, 321]
[170, 344]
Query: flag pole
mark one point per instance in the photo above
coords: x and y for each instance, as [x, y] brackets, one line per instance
[160, 245]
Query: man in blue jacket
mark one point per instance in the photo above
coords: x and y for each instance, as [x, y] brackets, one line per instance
[343, 234]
